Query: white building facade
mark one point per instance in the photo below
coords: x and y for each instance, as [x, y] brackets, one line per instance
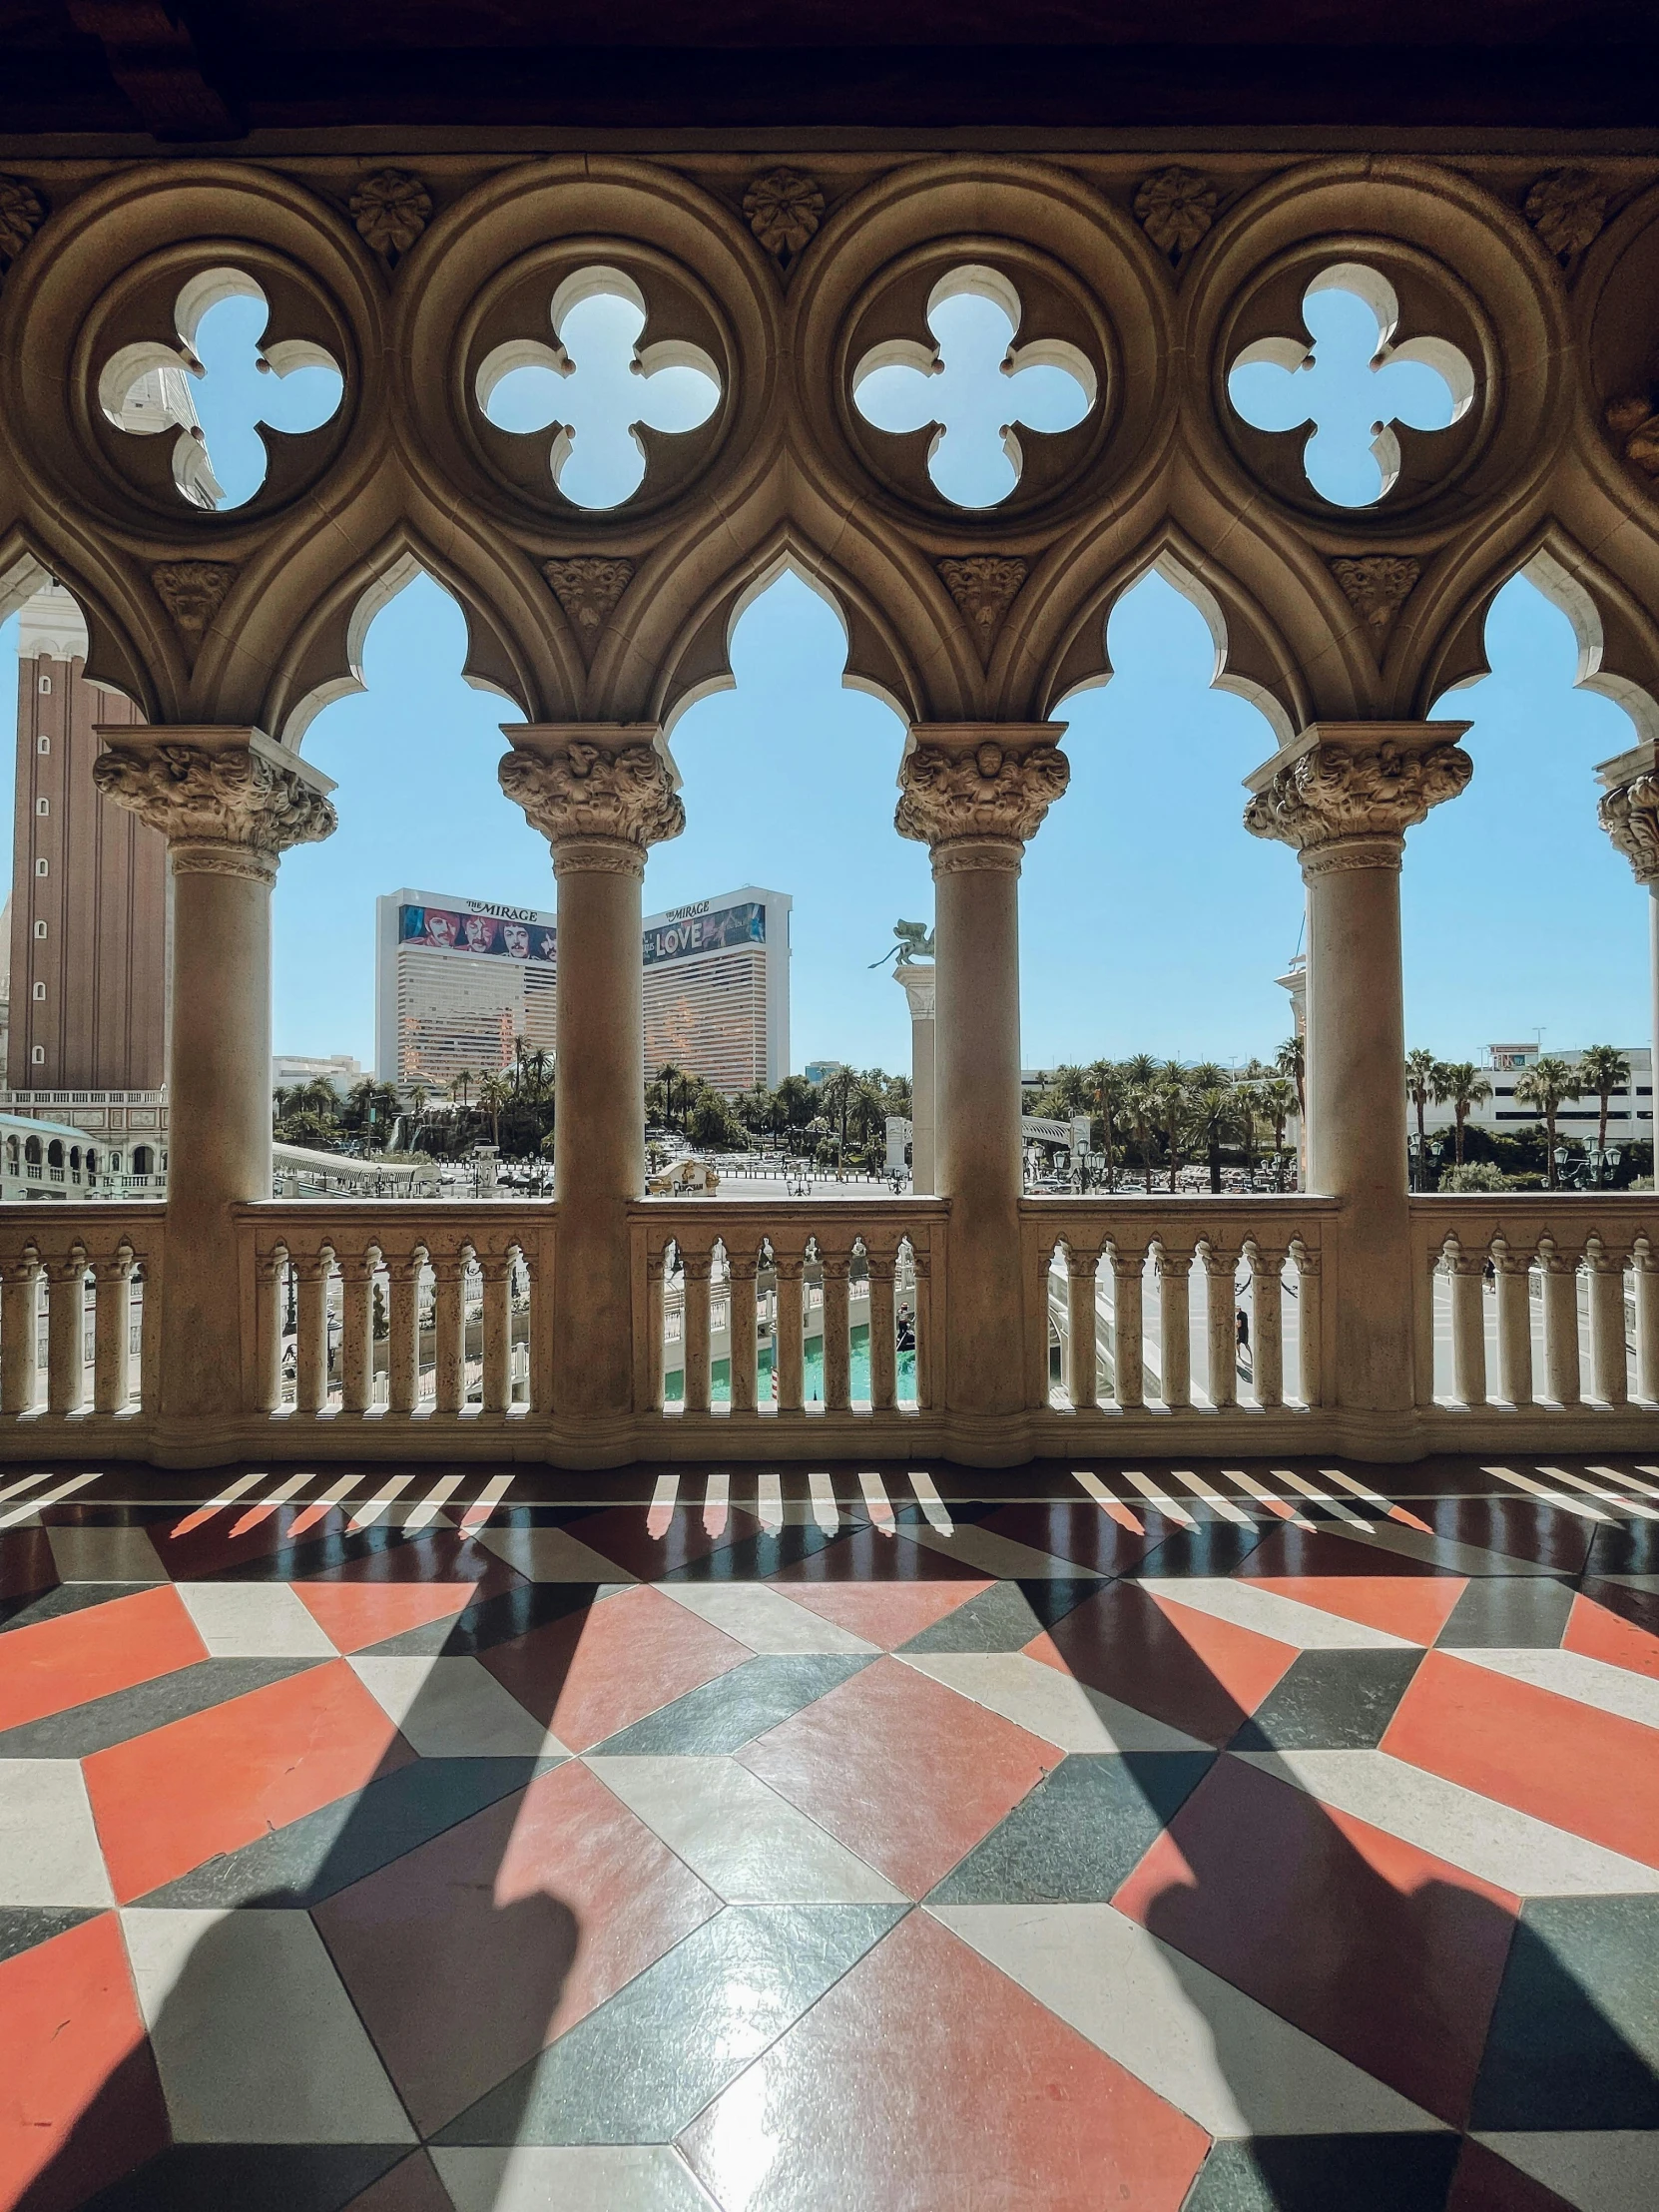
[1629, 1108]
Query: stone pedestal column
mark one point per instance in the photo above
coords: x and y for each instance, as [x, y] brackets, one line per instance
[975, 793]
[1345, 795]
[602, 794]
[916, 982]
[230, 803]
[1629, 812]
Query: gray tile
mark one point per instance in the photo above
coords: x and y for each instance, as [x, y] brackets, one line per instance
[84, 1729]
[92, 1555]
[489, 1621]
[33, 1607]
[643, 2066]
[251, 2177]
[311, 1859]
[1330, 1701]
[22, 1926]
[1575, 2038]
[1077, 1837]
[732, 1710]
[1503, 1612]
[1327, 2173]
[1005, 1617]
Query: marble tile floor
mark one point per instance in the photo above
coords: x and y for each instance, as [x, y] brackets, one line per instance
[1259, 1839]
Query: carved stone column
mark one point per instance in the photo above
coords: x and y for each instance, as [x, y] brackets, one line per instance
[602, 793]
[917, 980]
[230, 803]
[1345, 795]
[1629, 810]
[975, 793]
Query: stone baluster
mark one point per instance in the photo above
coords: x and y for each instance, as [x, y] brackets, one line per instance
[881, 1262]
[1266, 1315]
[1344, 794]
[19, 1305]
[602, 793]
[448, 1332]
[1310, 1323]
[497, 1270]
[1082, 1341]
[696, 1268]
[230, 803]
[921, 1259]
[357, 1335]
[838, 1332]
[656, 1266]
[1174, 1266]
[788, 1349]
[1467, 1270]
[1128, 1359]
[111, 1362]
[403, 1333]
[1221, 1328]
[1513, 1269]
[976, 793]
[1609, 1367]
[311, 1360]
[1560, 1274]
[66, 1333]
[1645, 1264]
[917, 980]
[742, 1269]
[269, 1282]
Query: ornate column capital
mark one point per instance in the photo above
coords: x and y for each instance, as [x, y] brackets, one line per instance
[977, 792]
[1629, 807]
[918, 985]
[601, 792]
[1346, 793]
[228, 799]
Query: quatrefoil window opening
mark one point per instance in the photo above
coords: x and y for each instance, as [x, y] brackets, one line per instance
[1352, 384]
[975, 388]
[596, 388]
[217, 385]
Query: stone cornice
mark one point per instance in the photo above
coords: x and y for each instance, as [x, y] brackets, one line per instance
[1358, 780]
[585, 783]
[917, 982]
[227, 800]
[980, 781]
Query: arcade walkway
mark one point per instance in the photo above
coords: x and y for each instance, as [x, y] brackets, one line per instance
[1239, 1840]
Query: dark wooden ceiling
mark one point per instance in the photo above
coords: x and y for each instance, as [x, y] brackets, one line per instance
[216, 69]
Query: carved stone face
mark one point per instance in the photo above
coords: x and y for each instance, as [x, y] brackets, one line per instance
[988, 759]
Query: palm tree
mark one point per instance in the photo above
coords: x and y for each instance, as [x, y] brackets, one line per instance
[460, 1086]
[1291, 1060]
[1604, 1070]
[1278, 1098]
[1423, 1088]
[494, 1092]
[1548, 1084]
[668, 1075]
[1103, 1086]
[1461, 1085]
[1137, 1107]
[1173, 1101]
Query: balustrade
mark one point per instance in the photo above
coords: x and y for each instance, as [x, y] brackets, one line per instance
[77, 1340]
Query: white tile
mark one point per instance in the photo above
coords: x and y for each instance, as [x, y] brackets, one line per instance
[637, 2177]
[1615, 2171]
[999, 1556]
[253, 1620]
[1055, 1706]
[1634, 1697]
[253, 2032]
[1204, 2047]
[104, 1555]
[550, 1555]
[1266, 1613]
[742, 1838]
[1527, 1857]
[453, 1709]
[763, 1619]
[48, 1851]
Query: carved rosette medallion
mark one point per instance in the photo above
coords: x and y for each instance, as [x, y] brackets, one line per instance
[784, 208]
[984, 586]
[225, 812]
[1377, 586]
[993, 792]
[1175, 207]
[21, 215]
[391, 210]
[1350, 805]
[192, 593]
[596, 808]
[1568, 209]
[1630, 815]
[588, 588]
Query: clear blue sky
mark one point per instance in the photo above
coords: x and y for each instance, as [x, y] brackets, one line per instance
[1150, 920]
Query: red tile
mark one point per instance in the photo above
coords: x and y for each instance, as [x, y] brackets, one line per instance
[411, 2186]
[1484, 2182]
[1324, 1553]
[926, 2079]
[465, 1957]
[651, 1546]
[867, 1555]
[218, 1780]
[1200, 1674]
[1414, 1606]
[884, 1613]
[1388, 1955]
[1595, 1633]
[26, 1562]
[94, 1652]
[80, 2101]
[610, 1663]
[353, 1615]
[904, 1771]
[1592, 1773]
[211, 1541]
[1087, 1535]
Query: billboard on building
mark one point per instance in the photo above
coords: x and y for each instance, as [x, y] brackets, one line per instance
[702, 928]
[510, 932]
